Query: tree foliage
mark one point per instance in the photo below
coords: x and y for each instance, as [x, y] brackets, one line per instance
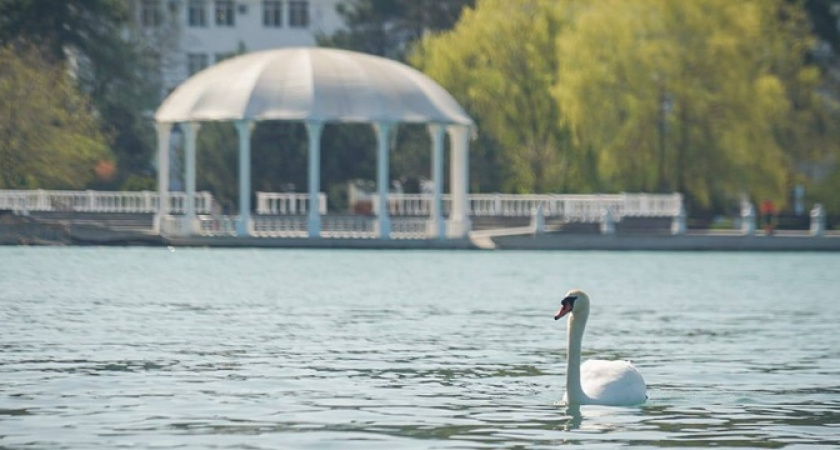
[501, 63]
[49, 135]
[712, 98]
[709, 97]
[111, 64]
[389, 27]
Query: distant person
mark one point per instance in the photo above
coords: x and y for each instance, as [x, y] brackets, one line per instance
[768, 216]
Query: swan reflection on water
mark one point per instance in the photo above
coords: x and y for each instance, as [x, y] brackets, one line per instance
[597, 418]
[575, 418]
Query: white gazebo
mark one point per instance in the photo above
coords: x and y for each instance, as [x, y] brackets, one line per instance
[317, 86]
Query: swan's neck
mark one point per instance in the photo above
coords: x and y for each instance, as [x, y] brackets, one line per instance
[576, 325]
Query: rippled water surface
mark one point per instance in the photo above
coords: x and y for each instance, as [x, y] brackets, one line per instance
[259, 349]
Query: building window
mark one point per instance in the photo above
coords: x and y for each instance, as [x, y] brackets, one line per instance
[196, 62]
[298, 13]
[198, 13]
[273, 13]
[150, 13]
[224, 13]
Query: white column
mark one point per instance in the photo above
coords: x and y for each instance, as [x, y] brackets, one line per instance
[747, 219]
[437, 226]
[314, 223]
[459, 221]
[818, 220]
[190, 133]
[607, 222]
[678, 223]
[164, 131]
[243, 129]
[383, 132]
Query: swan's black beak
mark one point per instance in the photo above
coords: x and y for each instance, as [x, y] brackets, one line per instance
[568, 304]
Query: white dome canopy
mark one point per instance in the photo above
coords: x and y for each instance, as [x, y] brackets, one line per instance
[311, 84]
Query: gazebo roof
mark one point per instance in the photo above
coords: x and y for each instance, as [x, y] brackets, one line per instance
[311, 84]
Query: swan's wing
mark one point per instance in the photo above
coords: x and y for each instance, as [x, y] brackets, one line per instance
[613, 382]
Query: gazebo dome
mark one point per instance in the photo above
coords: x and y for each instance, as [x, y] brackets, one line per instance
[311, 84]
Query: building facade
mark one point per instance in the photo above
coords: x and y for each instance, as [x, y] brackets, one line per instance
[191, 35]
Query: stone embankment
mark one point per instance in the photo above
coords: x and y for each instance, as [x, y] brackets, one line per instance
[86, 229]
[63, 230]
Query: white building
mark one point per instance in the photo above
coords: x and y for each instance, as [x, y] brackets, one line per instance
[194, 34]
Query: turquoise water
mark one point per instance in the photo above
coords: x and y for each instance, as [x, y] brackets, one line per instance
[109, 348]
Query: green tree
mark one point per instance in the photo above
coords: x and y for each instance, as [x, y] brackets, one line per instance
[49, 135]
[824, 15]
[110, 62]
[389, 27]
[501, 62]
[709, 97]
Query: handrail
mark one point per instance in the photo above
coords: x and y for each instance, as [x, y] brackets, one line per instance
[99, 201]
[570, 207]
[272, 203]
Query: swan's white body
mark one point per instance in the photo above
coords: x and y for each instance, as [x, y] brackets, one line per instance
[596, 382]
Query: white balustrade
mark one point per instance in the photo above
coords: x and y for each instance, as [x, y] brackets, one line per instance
[409, 228]
[279, 226]
[408, 204]
[287, 203]
[573, 207]
[348, 226]
[332, 226]
[216, 225]
[99, 201]
[285, 214]
[570, 207]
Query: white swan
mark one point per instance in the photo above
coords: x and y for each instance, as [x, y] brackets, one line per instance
[596, 382]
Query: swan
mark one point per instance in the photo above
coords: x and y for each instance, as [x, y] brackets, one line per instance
[596, 382]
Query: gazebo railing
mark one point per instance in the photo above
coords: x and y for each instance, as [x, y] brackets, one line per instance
[332, 226]
[410, 228]
[288, 203]
[216, 225]
[348, 226]
[411, 204]
[279, 226]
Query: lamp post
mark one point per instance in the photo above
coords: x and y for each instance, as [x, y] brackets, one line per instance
[666, 106]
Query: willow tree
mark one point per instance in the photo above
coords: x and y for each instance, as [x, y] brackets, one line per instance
[500, 62]
[49, 135]
[709, 97]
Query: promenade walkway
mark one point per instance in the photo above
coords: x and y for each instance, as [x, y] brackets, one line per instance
[599, 222]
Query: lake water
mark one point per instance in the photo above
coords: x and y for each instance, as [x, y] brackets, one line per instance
[110, 348]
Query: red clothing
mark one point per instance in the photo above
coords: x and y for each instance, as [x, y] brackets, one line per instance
[768, 208]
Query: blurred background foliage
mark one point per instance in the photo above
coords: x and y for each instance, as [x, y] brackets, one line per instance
[716, 99]
[101, 54]
[49, 133]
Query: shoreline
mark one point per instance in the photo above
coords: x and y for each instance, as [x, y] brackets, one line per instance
[701, 241]
[691, 241]
[20, 231]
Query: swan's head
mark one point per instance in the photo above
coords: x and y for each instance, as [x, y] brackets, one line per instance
[575, 301]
